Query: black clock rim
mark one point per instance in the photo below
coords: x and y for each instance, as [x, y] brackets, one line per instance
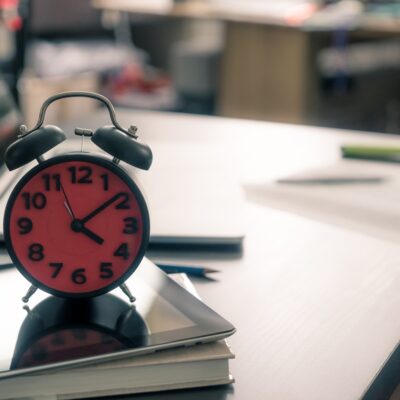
[95, 159]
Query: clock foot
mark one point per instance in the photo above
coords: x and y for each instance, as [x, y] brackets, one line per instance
[128, 293]
[29, 293]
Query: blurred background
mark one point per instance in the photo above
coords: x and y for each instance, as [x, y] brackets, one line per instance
[324, 63]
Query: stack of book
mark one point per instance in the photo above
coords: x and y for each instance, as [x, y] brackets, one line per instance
[185, 367]
[200, 365]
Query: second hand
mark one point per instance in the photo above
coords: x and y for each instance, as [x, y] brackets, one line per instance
[67, 204]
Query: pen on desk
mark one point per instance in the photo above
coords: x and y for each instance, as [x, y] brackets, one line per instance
[186, 269]
[372, 153]
[334, 180]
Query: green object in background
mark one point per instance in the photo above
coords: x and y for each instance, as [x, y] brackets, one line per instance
[373, 153]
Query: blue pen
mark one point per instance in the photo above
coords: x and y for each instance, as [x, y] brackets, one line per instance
[185, 269]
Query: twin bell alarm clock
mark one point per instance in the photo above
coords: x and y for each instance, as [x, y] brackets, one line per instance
[76, 225]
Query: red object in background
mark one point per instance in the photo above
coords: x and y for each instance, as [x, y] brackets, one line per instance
[60, 257]
[134, 77]
[300, 13]
[9, 14]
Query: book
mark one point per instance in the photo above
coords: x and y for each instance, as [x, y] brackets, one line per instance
[186, 367]
[200, 365]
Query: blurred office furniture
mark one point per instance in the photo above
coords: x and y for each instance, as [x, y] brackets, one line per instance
[9, 118]
[11, 29]
[80, 48]
[194, 72]
[74, 18]
[65, 47]
[269, 66]
[35, 90]
[12, 38]
[28, 20]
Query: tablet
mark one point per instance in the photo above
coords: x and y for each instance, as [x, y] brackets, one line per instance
[53, 332]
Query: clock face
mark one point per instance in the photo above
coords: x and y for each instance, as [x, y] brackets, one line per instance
[76, 225]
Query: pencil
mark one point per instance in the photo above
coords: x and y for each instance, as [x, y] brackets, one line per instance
[186, 269]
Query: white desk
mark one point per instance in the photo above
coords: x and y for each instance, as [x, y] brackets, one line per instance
[315, 305]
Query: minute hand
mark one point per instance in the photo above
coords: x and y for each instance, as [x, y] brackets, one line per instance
[100, 208]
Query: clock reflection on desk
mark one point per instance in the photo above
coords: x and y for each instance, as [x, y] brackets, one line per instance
[59, 329]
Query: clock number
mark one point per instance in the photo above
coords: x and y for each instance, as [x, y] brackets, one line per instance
[122, 251]
[47, 181]
[36, 252]
[85, 177]
[36, 200]
[25, 225]
[105, 181]
[105, 270]
[131, 225]
[57, 268]
[78, 276]
[123, 204]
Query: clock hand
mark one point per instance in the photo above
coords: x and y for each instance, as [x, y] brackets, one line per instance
[67, 204]
[90, 234]
[68, 209]
[100, 208]
[77, 225]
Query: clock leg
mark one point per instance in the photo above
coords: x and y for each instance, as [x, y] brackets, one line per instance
[128, 293]
[29, 293]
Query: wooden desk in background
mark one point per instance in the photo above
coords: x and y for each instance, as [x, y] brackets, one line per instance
[269, 69]
[315, 305]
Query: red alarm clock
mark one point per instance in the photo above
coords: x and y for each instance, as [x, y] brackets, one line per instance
[77, 225]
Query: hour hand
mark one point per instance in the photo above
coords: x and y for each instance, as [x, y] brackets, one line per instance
[78, 226]
[90, 234]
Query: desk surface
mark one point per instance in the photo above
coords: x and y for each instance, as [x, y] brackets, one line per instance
[315, 305]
